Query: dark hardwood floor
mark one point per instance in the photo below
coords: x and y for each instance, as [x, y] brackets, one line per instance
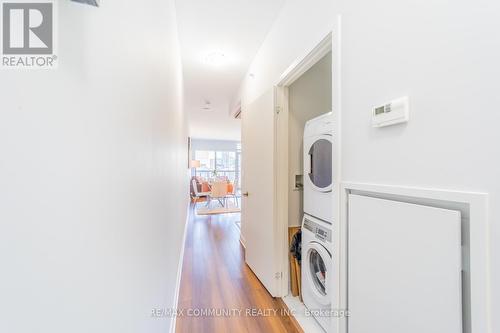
[215, 276]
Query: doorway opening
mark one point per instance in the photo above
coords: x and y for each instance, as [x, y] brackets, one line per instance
[215, 176]
[304, 149]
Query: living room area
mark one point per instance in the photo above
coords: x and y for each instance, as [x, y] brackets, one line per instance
[215, 186]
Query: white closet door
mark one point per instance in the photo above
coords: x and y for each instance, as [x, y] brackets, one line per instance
[257, 214]
[404, 271]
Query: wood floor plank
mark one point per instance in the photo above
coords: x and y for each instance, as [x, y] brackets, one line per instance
[215, 276]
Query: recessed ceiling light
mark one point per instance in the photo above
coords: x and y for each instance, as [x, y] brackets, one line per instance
[215, 58]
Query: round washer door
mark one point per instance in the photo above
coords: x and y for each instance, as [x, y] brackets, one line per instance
[318, 162]
[318, 266]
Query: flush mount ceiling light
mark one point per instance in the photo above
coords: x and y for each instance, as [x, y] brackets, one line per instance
[215, 58]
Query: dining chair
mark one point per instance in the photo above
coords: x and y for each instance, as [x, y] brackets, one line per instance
[234, 194]
[196, 195]
[218, 191]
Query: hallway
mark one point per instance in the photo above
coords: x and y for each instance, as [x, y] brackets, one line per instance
[215, 276]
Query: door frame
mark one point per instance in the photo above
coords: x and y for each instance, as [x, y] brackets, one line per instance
[281, 115]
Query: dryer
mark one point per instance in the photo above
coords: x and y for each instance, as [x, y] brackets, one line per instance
[318, 167]
[317, 265]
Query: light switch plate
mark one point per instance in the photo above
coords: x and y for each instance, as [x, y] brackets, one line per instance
[394, 112]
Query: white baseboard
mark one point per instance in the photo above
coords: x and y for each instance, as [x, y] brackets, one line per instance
[179, 270]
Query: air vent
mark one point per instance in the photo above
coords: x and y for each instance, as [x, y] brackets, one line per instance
[236, 111]
[237, 115]
[88, 2]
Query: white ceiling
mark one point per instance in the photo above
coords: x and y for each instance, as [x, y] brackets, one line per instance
[235, 28]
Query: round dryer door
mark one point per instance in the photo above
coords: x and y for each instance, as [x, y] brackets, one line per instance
[319, 265]
[320, 162]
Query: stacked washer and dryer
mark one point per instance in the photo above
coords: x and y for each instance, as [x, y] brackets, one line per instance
[317, 222]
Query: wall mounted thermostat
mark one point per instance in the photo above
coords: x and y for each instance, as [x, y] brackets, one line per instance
[394, 112]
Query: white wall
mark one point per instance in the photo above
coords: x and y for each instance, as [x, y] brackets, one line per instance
[446, 60]
[93, 174]
[443, 54]
[309, 97]
[207, 144]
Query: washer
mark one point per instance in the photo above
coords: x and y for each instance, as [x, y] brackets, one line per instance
[318, 164]
[317, 267]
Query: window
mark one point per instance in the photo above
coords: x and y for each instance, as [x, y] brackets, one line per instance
[218, 164]
[206, 158]
[225, 161]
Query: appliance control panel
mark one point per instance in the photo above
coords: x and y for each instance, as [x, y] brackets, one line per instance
[320, 232]
[323, 234]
